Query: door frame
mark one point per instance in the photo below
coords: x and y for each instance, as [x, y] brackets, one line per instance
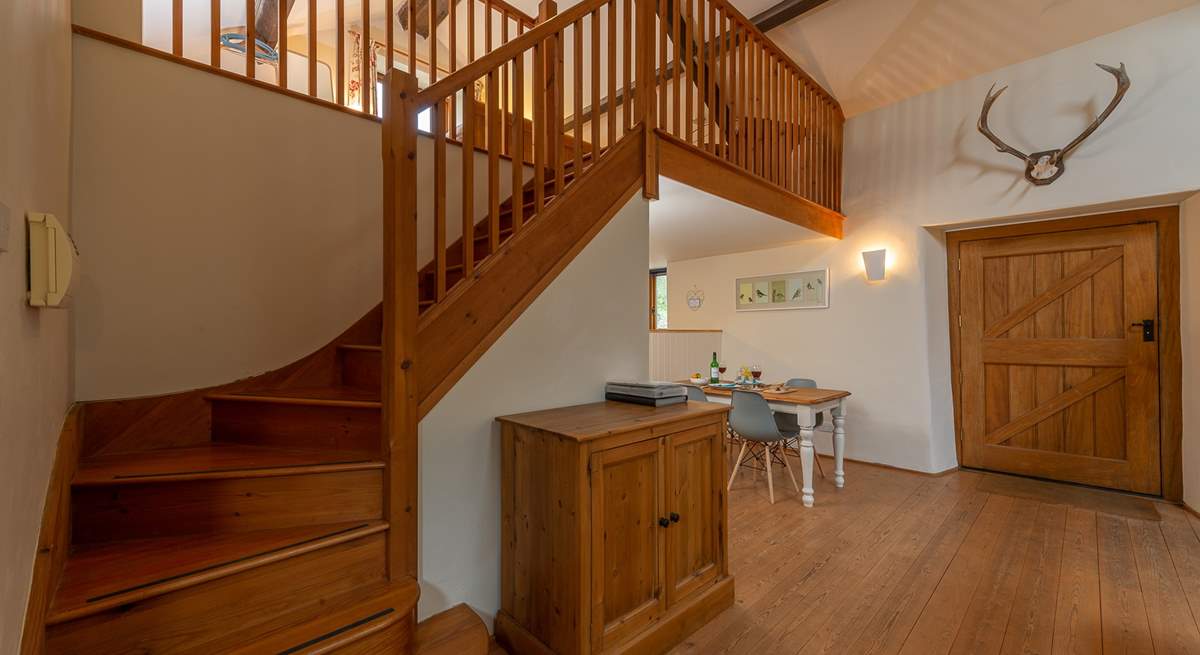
[1170, 357]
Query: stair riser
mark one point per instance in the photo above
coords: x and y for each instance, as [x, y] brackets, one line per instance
[134, 511]
[346, 429]
[361, 369]
[261, 599]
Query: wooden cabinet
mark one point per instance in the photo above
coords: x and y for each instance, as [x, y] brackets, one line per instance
[613, 527]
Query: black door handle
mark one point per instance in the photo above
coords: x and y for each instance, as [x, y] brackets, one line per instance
[663, 523]
[674, 517]
[1147, 329]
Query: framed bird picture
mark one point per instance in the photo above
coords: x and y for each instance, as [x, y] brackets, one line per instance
[800, 290]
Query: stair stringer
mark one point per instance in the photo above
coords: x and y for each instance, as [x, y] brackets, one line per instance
[456, 332]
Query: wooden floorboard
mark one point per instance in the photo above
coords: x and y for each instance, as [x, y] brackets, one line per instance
[898, 562]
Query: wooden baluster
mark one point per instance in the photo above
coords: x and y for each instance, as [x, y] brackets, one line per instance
[736, 79]
[577, 94]
[595, 15]
[453, 46]
[468, 180]
[714, 35]
[493, 137]
[312, 47]
[250, 39]
[776, 117]
[390, 8]
[747, 116]
[368, 54]
[698, 34]
[661, 81]
[645, 105]
[828, 154]
[177, 27]
[214, 26]
[281, 46]
[400, 297]
[471, 32]
[559, 160]
[627, 97]
[340, 19]
[723, 84]
[841, 126]
[611, 9]
[437, 119]
[412, 37]
[510, 121]
[539, 127]
[689, 77]
[518, 147]
[791, 132]
[432, 41]
[487, 26]
[677, 72]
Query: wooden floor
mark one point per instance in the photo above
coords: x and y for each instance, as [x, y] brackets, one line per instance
[902, 563]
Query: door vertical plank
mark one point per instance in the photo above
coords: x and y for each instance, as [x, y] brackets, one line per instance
[1077, 613]
[1125, 627]
[1031, 622]
[1048, 320]
[1108, 321]
[1171, 622]
[1078, 429]
[1022, 379]
[995, 307]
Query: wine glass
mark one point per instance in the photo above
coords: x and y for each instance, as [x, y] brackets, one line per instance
[756, 372]
[721, 369]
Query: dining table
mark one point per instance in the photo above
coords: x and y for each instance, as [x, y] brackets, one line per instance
[806, 404]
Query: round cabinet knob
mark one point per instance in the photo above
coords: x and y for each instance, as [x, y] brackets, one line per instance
[674, 517]
[662, 523]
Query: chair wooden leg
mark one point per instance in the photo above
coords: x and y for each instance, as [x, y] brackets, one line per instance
[770, 481]
[788, 466]
[736, 465]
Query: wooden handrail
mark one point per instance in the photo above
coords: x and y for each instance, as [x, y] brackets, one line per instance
[457, 80]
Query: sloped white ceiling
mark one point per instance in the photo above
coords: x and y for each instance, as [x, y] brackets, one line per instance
[687, 223]
[872, 53]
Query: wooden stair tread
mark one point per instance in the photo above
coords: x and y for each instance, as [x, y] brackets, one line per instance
[98, 577]
[212, 461]
[359, 614]
[324, 396]
[456, 631]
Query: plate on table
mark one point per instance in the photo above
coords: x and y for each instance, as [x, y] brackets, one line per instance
[723, 385]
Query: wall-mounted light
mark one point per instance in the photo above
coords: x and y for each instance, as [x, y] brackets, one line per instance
[875, 264]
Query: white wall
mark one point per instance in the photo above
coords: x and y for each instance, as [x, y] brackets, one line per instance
[917, 166]
[1189, 294]
[677, 355]
[588, 326]
[212, 217]
[35, 370]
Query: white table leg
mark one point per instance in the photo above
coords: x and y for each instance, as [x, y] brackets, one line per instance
[839, 444]
[806, 464]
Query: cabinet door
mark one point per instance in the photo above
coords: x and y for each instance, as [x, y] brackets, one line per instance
[628, 542]
[694, 467]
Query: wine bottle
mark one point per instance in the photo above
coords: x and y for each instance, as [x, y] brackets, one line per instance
[714, 375]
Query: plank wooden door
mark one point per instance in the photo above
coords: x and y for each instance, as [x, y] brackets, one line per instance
[628, 542]
[694, 468]
[1059, 379]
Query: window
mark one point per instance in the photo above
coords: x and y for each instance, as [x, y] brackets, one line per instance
[658, 298]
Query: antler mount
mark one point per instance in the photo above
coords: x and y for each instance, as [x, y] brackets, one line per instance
[1046, 166]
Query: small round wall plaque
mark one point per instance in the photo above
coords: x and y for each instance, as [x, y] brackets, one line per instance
[695, 298]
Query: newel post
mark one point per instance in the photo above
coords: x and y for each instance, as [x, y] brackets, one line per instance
[646, 105]
[399, 397]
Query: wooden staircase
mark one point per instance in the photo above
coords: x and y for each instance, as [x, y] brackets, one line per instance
[267, 536]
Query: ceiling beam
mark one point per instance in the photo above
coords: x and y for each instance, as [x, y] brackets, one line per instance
[783, 12]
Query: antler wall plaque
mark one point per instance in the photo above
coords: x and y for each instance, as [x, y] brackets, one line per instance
[1042, 168]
